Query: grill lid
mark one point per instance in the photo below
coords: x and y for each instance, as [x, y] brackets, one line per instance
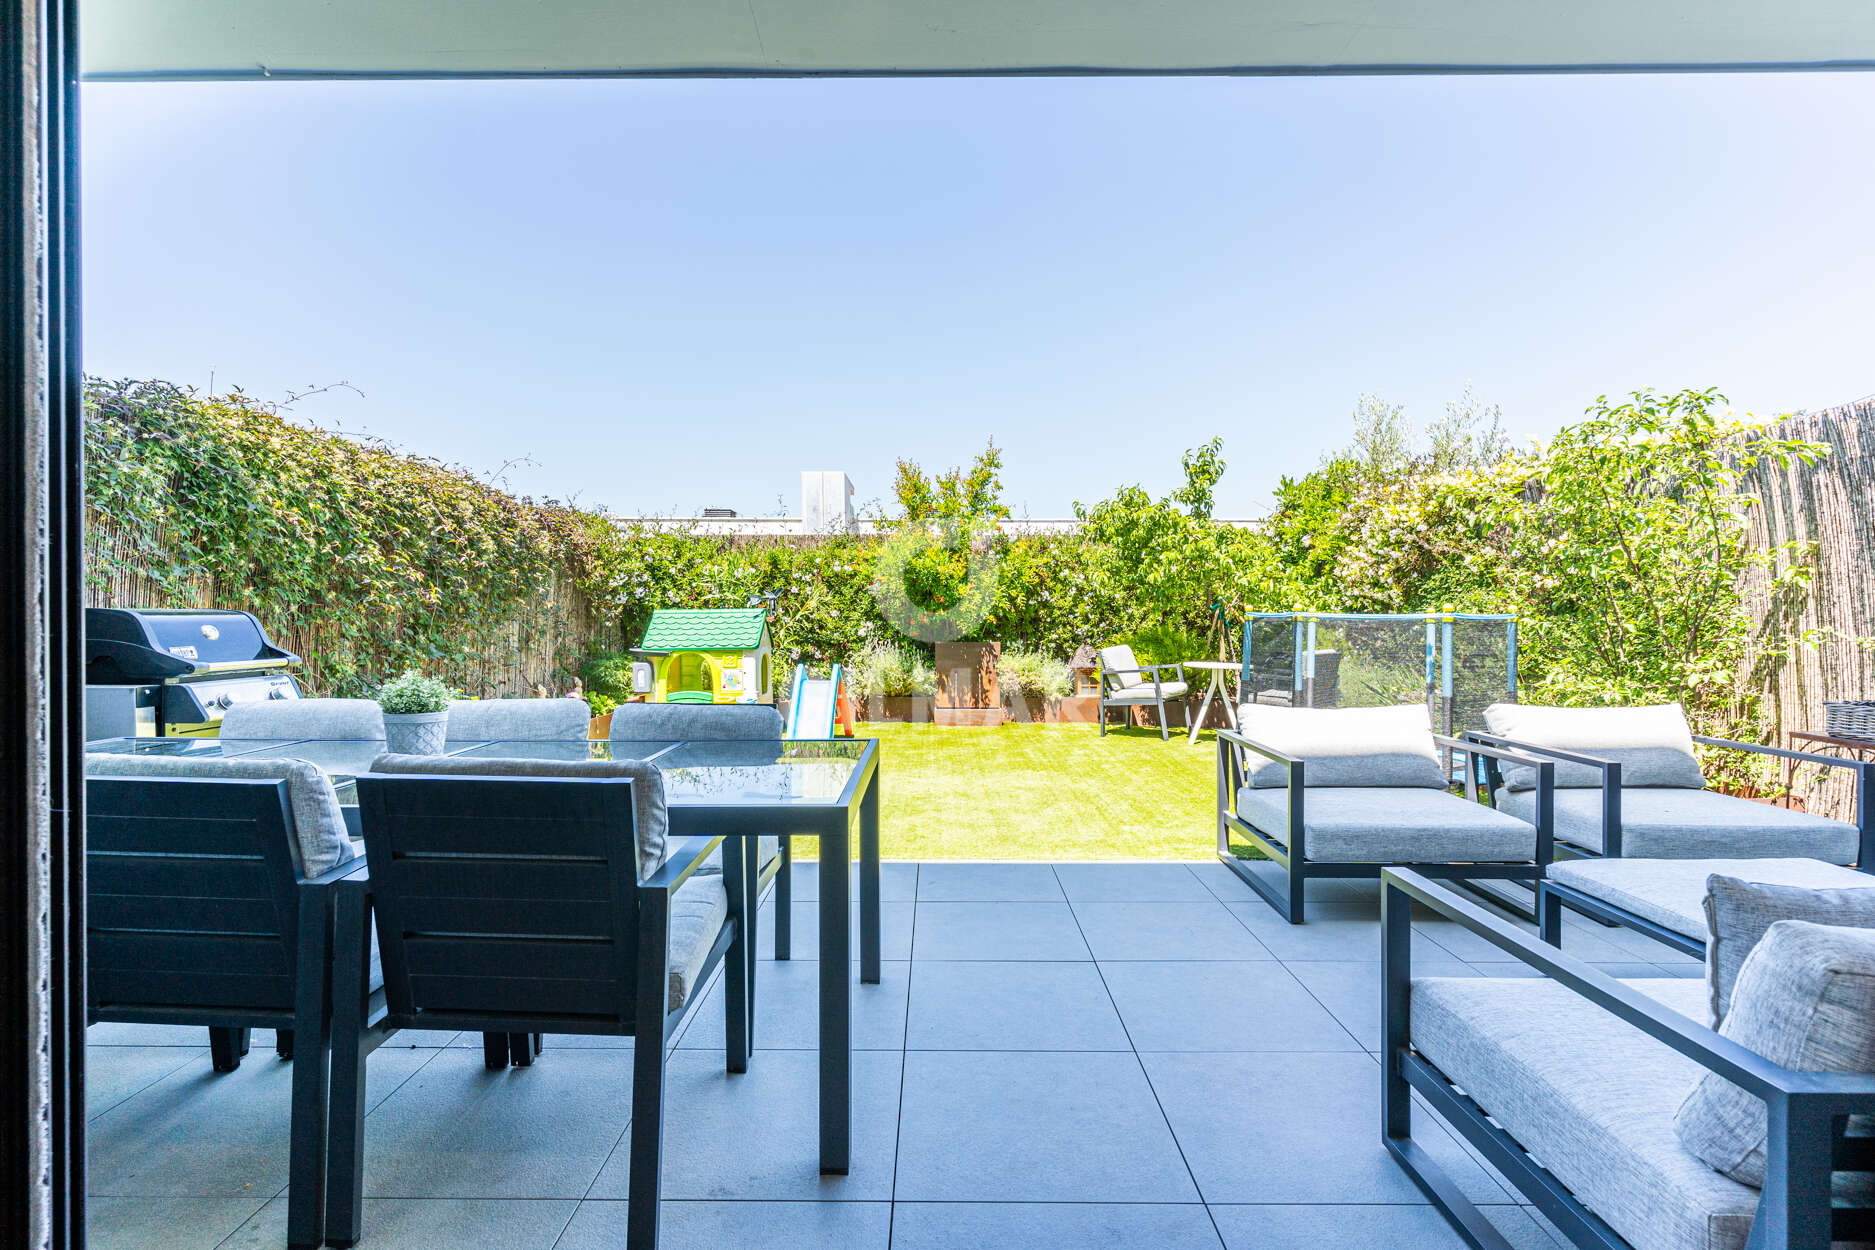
[128, 645]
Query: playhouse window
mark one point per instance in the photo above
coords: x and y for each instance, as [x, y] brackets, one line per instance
[691, 671]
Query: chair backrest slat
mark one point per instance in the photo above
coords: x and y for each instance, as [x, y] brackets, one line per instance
[503, 897]
[191, 894]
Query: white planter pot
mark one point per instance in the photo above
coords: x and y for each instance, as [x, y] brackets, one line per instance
[419, 733]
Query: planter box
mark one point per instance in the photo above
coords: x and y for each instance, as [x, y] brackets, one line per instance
[895, 708]
[970, 717]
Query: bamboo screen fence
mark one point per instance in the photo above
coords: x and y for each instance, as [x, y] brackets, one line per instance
[1829, 510]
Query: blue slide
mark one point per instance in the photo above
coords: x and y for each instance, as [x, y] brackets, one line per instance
[815, 707]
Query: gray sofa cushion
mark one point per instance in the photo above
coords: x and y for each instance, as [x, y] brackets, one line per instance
[1353, 746]
[1653, 745]
[334, 720]
[1805, 1000]
[699, 910]
[1692, 824]
[317, 842]
[1740, 912]
[1591, 1097]
[704, 722]
[1391, 825]
[652, 819]
[1672, 892]
[511, 720]
[1119, 661]
[1145, 693]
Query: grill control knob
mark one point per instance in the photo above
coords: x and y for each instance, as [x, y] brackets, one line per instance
[276, 693]
[223, 701]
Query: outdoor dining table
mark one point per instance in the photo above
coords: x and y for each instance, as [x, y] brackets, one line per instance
[738, 788]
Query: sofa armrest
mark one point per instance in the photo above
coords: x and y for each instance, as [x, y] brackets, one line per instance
[1611, 780]
[1545, 821]
[682, 864]
[1233, 742]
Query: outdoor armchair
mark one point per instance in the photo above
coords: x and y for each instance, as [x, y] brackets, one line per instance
[334, 720]
[1596, 1098]
[516, 720]
[1125, 683]
[724, 722]
[1628, 783]
[1344, 792]
[542, 897]
[210, 897]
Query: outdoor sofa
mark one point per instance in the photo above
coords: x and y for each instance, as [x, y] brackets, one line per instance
[1615, 1111]
[526, 896]
[1345, 792]
[1125, 684]
[210, 897]
[1628, 783]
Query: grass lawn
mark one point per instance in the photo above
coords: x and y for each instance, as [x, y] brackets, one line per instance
[1044, 792]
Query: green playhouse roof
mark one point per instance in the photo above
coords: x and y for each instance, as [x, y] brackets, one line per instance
[705, 629]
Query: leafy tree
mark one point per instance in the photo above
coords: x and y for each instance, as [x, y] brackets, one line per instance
[957, 494]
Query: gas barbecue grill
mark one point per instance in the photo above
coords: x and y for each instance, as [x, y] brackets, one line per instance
[165, 672]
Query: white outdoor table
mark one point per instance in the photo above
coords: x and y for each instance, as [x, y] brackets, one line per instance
[1217, 669]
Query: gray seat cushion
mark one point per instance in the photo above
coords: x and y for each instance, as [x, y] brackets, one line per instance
[333, 720]
[699, 910]
[1118, 662]
[512, 720]
[1805, 1000]
[706, 722]
[1391, 825]
[317, 841]
[652, 817]
[1653, 745]
[1590, 1097]
[1693, 824]
[1739, 913]
[1672, 892]
[1351, 746]
[1144, 693]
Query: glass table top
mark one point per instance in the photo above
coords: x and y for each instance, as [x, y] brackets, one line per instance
[712, 773]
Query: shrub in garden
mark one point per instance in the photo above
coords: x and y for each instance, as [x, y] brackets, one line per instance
[1034, 674]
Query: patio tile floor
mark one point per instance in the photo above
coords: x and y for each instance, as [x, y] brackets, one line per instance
[1101, 1056]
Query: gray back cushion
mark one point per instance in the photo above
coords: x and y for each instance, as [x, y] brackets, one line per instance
[1805, 1000]
[511, 720]
[650, 815]
[1118, 660]
[698, 722]
[336, 720]
[317, 839]
[1344, 746]
[1653, 744]
[1739, 913]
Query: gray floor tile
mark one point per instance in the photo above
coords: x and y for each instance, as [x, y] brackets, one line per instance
[1014, 1127]
[457, 1130]
[1332, 933]
[197, 1134]
[431, 1224]
[895, 925]
[1203, 930]
[1353, 1227]
[1027, 1225]
[787, 1009]
[114, 1073]
[898, 882]
[146, 1223]
[757, 1135]
[112, 1033]
[726, 1225]
[998, 931]
[1011, 1006]
[1310, 1122]
[1222, 882]
[1350, 990]
[1220, 1006]
[1137, 883]
[989, 883]
[560, 1041]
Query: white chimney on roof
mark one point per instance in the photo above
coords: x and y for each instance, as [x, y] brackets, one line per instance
[826, 502]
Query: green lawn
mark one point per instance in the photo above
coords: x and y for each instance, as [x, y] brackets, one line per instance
[1044, 792]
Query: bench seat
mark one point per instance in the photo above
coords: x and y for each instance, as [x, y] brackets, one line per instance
[1590, 1097]
[1672, 892]
[1667, 822]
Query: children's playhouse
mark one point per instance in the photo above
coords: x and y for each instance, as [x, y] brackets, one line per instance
[708, 655]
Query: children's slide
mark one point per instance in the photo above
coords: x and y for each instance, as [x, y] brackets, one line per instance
[820, 707]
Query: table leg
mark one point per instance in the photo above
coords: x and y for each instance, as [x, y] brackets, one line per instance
[869, 882]
[836, 996]
[1214, 688]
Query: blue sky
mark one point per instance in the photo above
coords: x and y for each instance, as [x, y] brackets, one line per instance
[667, 295]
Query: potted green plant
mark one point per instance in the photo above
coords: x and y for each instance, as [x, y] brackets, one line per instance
[416, 713]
